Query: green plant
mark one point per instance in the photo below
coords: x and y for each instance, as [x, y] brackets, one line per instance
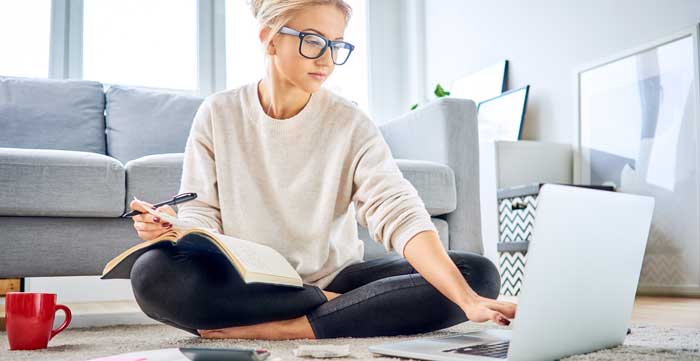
[439, 92]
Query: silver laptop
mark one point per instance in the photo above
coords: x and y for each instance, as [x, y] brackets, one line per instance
[579, 284]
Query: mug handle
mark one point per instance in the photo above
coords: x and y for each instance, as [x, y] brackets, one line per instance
[65, 323]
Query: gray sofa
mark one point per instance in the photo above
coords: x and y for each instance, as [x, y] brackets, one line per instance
[72, 155]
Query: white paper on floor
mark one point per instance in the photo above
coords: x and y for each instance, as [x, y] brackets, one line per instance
[322, 351]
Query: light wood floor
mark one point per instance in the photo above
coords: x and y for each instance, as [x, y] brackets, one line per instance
[653, 310]
[667, 311]
[659, 311]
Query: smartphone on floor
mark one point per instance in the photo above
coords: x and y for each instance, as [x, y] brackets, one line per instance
[224, 354]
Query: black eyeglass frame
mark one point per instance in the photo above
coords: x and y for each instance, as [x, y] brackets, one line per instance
[328, 43]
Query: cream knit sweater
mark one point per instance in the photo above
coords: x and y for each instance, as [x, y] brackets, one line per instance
[300, 184]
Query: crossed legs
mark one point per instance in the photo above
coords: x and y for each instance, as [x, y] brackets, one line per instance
[201, 291]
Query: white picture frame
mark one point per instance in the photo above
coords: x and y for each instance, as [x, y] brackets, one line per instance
[604, 152]
[503, 116]
[484, 84]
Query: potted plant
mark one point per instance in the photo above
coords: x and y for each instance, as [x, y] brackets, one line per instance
[439, 93]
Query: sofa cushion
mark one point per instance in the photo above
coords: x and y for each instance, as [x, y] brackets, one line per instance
[60, 183]
[143, 122]
[153, 178]
[434, 182]
[52, 114]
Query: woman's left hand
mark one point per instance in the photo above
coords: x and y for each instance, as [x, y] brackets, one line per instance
[483, 309]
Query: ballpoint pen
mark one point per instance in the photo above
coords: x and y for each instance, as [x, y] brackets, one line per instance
[180, 198]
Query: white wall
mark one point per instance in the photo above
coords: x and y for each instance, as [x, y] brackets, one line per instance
[396, 67]
[544, 41]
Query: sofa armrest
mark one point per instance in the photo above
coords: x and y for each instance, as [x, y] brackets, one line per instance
[445, 131]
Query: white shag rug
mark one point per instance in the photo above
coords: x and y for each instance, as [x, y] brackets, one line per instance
[645, 343]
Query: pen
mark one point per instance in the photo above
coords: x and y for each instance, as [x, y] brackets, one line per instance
[180, 198]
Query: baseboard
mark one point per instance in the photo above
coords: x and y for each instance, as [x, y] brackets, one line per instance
[96, 314]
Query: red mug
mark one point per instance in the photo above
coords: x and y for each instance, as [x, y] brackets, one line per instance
[29, 319]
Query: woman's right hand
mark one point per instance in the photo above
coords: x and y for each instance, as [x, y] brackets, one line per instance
[147, 225]
[484, 309]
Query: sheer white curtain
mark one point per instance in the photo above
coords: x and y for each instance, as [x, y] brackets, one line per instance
[146, 43]
[24, 37]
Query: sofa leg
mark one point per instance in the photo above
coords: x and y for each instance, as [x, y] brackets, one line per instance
[8, 285]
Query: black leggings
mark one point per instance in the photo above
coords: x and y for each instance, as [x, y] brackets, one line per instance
[192, 290]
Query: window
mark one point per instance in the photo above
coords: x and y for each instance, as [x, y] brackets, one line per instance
[245, 61]
[145, 43]
[24, 37]
[350, 79]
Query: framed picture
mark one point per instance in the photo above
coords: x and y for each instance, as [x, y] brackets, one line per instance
[484, 84]
[502, 117]
[637, 129]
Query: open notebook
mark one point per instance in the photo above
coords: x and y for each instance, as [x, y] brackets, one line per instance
[256, 263]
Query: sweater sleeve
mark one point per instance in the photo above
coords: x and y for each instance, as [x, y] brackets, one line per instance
[199, 174]
[386, 203]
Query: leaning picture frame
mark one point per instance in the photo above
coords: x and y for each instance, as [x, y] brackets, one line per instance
[636, 128]
[484, 84]
[503, 117]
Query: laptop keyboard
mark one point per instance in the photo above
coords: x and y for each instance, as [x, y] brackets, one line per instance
[495, 349]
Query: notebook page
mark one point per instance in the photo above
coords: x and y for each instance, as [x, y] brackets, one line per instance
[258, 258]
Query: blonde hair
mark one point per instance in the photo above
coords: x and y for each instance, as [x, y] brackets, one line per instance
[276, 13]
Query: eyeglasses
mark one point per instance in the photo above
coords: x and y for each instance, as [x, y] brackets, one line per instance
[312, 46]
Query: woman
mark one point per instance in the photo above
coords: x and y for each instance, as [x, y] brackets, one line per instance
[281, 161]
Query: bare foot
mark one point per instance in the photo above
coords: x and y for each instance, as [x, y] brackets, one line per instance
[331, 295]
[274, 330]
